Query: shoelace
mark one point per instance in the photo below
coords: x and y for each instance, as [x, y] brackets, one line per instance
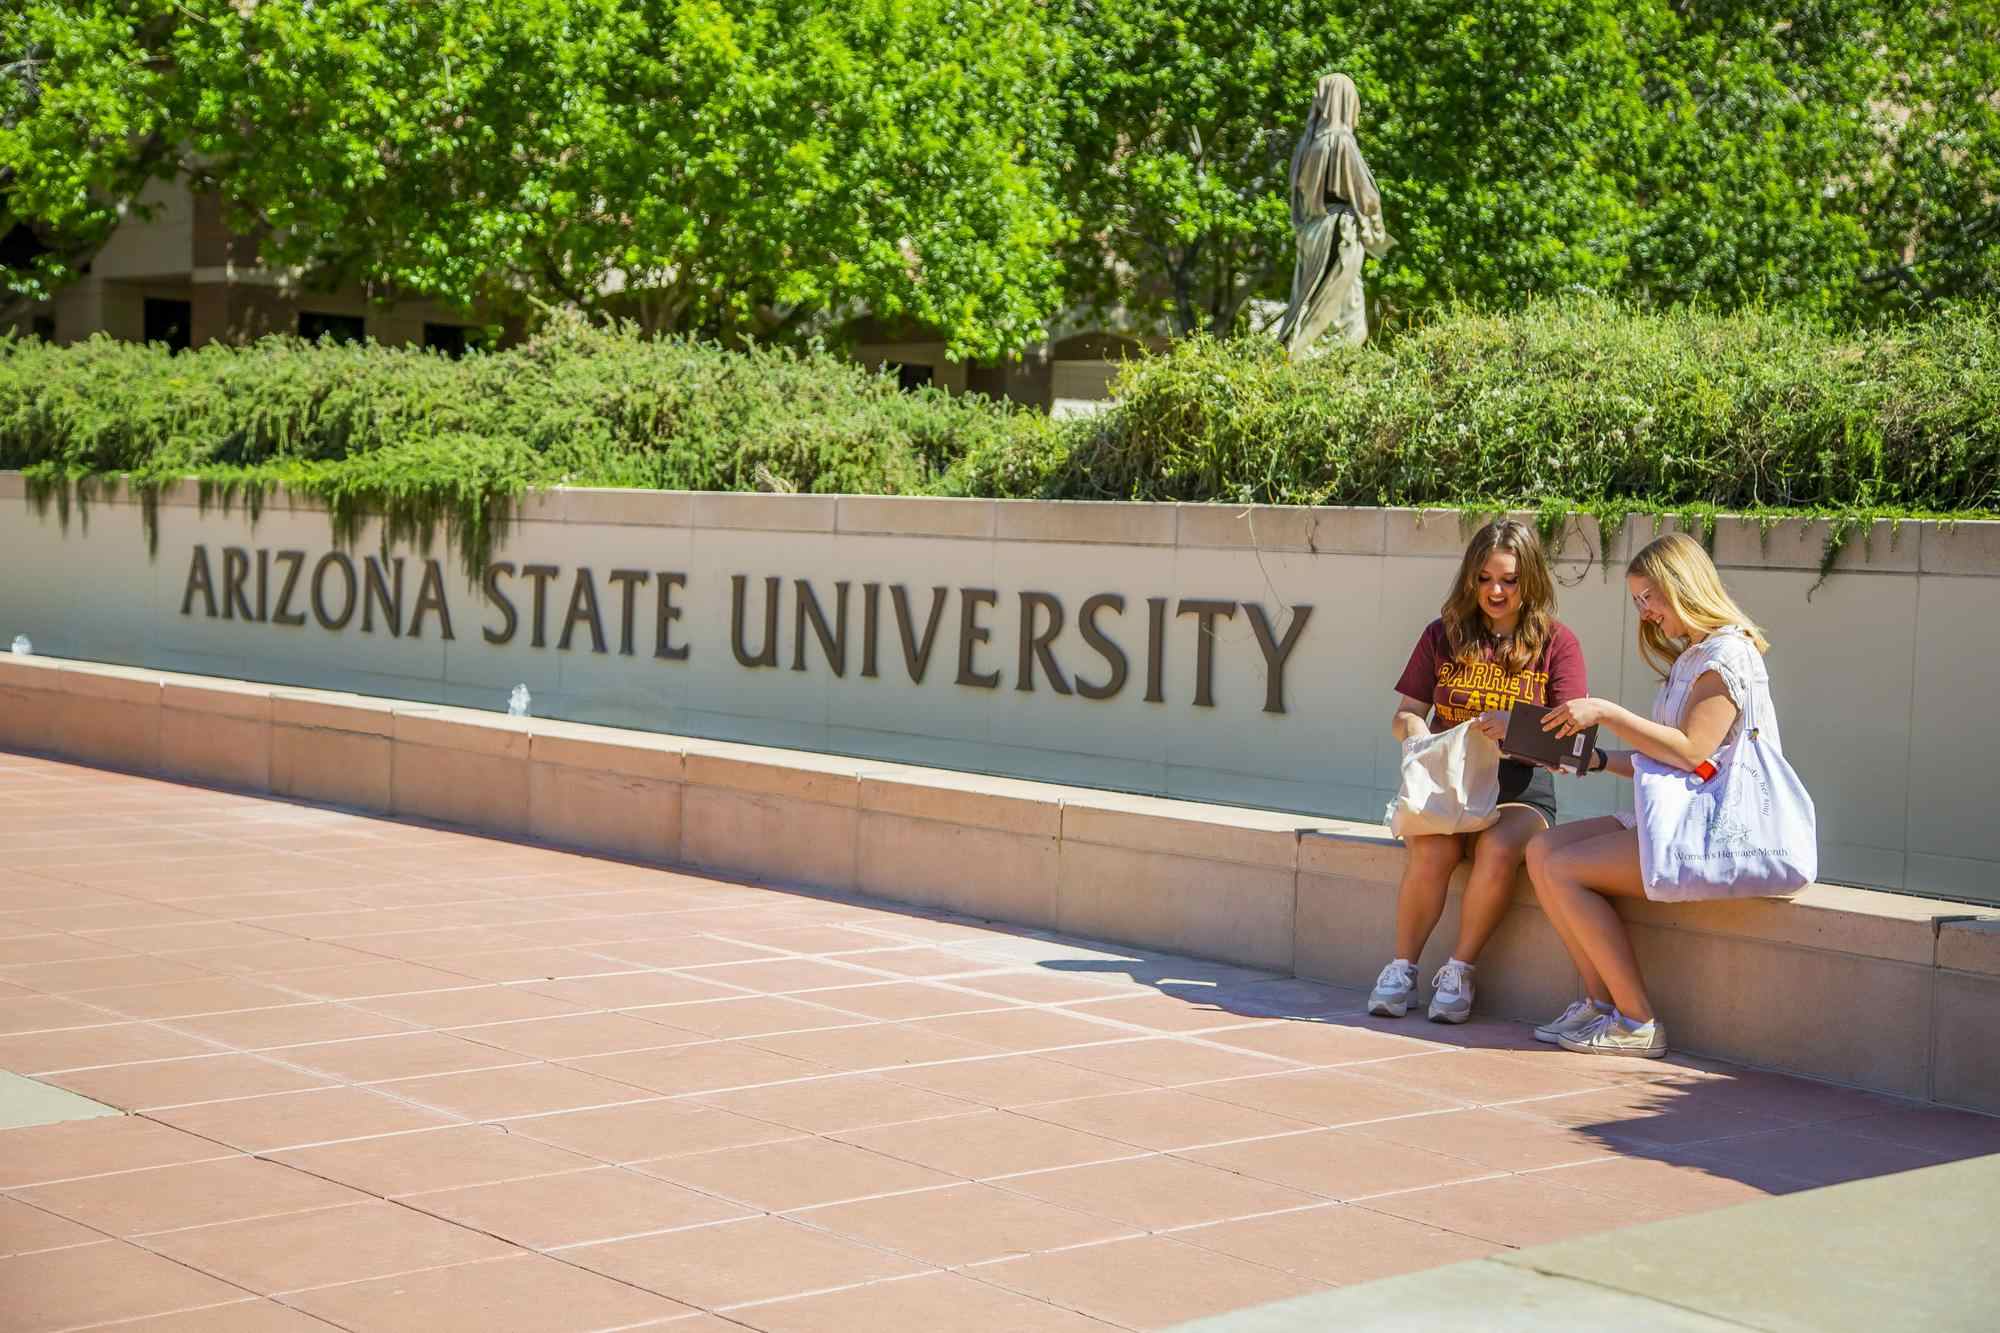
[1395, 977]
[1451, 978]
[1596, 1027]
[1576, 1010]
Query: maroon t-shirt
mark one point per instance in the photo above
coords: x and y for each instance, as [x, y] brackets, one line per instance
[1460, 692]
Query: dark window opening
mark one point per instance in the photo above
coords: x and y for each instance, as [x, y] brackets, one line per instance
[455, 340]
[446, 338]
[315, 325]
[910, 377]
[169, 322]
[989, 380]
[20, 247]
[45, 328]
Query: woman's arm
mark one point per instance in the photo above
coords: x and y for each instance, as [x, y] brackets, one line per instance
[1618, 763]
[1706, 721]
[1411, 720]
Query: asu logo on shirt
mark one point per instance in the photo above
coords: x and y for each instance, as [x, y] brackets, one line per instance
[1460, 691]
[1464, 691]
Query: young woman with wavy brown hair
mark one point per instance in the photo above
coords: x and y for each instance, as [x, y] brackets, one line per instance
[1496, 643]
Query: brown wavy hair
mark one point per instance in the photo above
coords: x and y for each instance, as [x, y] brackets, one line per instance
[1466, 629]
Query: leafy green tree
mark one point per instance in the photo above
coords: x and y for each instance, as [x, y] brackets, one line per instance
[1841, 159]
[1759, 138]
[1499, 133]
[90, 113]
[736, 168]
[1934, 212]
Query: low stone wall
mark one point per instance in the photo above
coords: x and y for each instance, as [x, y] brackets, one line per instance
[1873, 989]
[1228, 653]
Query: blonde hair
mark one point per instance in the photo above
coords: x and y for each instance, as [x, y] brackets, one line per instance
[1465, 628]
[1682, 573]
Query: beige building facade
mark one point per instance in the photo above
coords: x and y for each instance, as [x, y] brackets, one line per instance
[183, 278]
[1066, 375]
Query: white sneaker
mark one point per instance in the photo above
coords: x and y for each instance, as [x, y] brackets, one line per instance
[1394, 990]
[1573, 1021]
[1610, 1036]
[1451, 993]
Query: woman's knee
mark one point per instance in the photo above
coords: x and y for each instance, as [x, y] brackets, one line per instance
[1434, 852]
[1505, 845]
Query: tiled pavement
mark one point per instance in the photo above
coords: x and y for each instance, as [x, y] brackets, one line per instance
[389, 1077]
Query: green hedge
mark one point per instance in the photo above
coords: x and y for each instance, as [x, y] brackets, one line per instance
[426, 439]
[1565, 406]
[1580, 405]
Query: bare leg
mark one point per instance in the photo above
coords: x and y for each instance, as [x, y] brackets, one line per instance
[1420, 899]
[1496, 858]
[1577, 880]
[1539, 850]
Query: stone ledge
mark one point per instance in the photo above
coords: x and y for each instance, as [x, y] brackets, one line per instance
[1960, 548]
[607, 750]
[1266, 888]
[463, 729]
[1970, 946]
[1321, 530]
[1360, 851]
[1825, 917]
[794, 774]
[113, 683]
[1184, 828]
[1884, 548]
[1005, 805]
[653, 509]
[915, 516]
[221, 697]
[1110, 522]
[764, 513]
[27, 671]
[326, 710]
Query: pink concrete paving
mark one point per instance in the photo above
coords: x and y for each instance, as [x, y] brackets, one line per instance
[385, 1077]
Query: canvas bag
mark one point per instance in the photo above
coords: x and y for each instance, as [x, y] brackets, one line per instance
[1747, 832]
[1450, 784]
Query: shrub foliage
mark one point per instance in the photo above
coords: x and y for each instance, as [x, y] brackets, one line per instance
[1576, 403]
[1561, 407]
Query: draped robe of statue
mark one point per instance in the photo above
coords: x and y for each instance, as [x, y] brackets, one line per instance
[1337, 217]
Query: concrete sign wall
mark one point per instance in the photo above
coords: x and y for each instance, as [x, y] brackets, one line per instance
[1223, 653]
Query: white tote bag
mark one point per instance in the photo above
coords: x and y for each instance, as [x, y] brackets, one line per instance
[1747, 832]
[1451, 784]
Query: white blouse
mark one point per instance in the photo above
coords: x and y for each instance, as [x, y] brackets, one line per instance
[1731, 654]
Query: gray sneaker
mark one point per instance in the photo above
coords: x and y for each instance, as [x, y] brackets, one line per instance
[1609, 1036]
[1451, 993]
[1573, 1021]
[1394, 990]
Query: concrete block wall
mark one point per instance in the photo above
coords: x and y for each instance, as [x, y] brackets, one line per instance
[1876, 990]
[1878, 672]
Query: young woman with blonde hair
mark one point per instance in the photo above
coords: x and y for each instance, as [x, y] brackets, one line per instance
[1497, 643]
[1710, 657]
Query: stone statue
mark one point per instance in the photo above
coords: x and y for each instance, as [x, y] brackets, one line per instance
[1337, 215]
